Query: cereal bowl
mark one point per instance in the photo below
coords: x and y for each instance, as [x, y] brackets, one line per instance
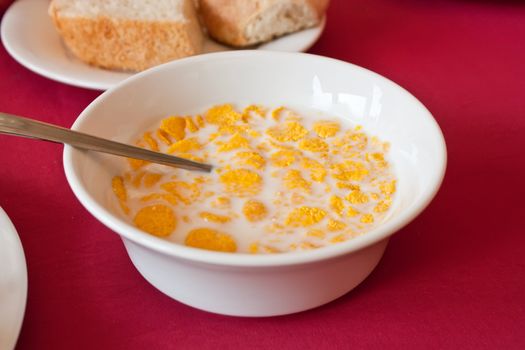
[250, 284]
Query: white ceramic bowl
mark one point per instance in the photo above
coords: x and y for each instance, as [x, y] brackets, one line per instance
[259, 285]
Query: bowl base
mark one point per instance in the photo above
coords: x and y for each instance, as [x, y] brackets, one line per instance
[255, 291]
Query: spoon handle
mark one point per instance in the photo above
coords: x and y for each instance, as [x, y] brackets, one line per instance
[18, 126]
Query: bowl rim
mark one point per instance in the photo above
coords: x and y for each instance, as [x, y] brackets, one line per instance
[127, 231]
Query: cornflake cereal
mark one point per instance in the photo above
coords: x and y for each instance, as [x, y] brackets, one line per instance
[281, 181]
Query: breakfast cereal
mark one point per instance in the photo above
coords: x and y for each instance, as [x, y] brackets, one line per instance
[281, 181]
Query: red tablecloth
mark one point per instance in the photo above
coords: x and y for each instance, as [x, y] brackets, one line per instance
[454, 278]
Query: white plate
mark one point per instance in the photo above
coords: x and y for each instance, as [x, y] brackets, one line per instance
[13, 283]
[29, 36]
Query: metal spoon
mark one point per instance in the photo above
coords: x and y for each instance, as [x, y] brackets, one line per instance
[18, 126]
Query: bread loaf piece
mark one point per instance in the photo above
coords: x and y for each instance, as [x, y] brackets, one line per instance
[248, 22]
[128, 34]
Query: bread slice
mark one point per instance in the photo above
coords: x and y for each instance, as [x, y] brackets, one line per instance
[248, 22]
[128, 34]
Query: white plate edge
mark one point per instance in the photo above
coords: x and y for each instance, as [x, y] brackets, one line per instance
[10, 229]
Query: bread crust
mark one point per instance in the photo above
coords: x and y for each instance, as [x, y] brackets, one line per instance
[124, 44]
[226, 20]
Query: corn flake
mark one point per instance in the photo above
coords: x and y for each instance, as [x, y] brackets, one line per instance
[317, 171]
[382, 206]
[200, 121]
[235, 142]
[221, 203]
[136, 164]
[313, 145]
[250, 110]
[164, 137]
[388, 187]
[222, 115]
[210, 239]
[117, 184]
[326, 129]
[334, 225]
[305, 216]
[283, 158]
[152, 143]
[337, 204]
[168, 197]
[211, 217]
[151, 179]
[352, 212]
[185, 146]
[289, 131]
[158, 220]
[254, 210]
[192, 157]
[349, 171]
[174, 126]
[316, 234]
[241, 181]
[187, 193]
[339, 238]
[294, 180]
[367, 218]
[357, 197]
[190, 124]
[251, 158]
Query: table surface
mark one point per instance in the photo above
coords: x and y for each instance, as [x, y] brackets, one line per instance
[453, 278]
